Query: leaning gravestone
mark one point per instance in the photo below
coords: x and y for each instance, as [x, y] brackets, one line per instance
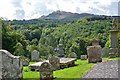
[35, 55]
[73, 55]
[94, 54]
[55, 62]
[11, 66]
[46, 71]
[83, 57]
[105, 52]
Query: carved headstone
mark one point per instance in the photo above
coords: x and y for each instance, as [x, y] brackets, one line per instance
[94, 54]
[35, 55]
[83, 57]
[11, 66]
[46, 71]
[73, 55]
[55, 62]
[105, 52]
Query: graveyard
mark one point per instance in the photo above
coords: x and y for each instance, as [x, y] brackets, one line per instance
[75, 72]
[62, 52]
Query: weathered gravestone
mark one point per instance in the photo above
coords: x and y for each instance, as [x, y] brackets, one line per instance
[73, 55]
[94, 54]
[11, 66]
[54, 61]
[60, 49]
[114, 40]
[105, 52]
[46, 71]
[25, 62]
[35, 55]
[83, 57]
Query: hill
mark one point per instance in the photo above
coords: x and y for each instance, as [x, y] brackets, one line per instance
[62, 15]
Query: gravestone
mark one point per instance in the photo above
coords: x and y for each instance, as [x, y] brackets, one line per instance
[105, 52]
[94, 54]
[73, 55]
[25, 62]
[46, 71]
[35, 55]
[114, 40]
[60, 49]
[83, 57]
[55, 62]
[10, 66]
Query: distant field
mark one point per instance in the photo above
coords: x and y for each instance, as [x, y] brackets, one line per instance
[75, 72]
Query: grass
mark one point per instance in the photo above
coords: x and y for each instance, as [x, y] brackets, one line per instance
[75, 72]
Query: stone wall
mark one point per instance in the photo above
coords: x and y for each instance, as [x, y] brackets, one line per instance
[11, 66]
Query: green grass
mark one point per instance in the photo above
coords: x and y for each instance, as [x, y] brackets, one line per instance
[74, 72]
[27, 73]
[78, 71]
[105, 59]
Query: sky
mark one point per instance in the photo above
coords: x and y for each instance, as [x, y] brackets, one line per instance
[30, 9]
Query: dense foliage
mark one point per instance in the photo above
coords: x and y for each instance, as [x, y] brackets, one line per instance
[22, 38]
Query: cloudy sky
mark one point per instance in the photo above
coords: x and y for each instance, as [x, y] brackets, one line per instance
[29, 9]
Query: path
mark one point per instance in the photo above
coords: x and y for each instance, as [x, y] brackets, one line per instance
[108, 69]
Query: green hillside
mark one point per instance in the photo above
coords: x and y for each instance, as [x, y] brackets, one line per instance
[21, 39]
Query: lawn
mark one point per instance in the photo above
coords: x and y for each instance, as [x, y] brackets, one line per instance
[75, 72]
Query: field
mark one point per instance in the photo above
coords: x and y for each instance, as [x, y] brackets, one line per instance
[75, 72]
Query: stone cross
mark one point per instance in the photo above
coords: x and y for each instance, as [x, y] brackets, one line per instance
[10, 66]
[114, 35]
[114, 40]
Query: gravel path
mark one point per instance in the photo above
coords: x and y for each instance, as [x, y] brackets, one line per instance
[108, 69]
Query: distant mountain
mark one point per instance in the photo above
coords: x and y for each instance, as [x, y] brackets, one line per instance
[62, 15]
